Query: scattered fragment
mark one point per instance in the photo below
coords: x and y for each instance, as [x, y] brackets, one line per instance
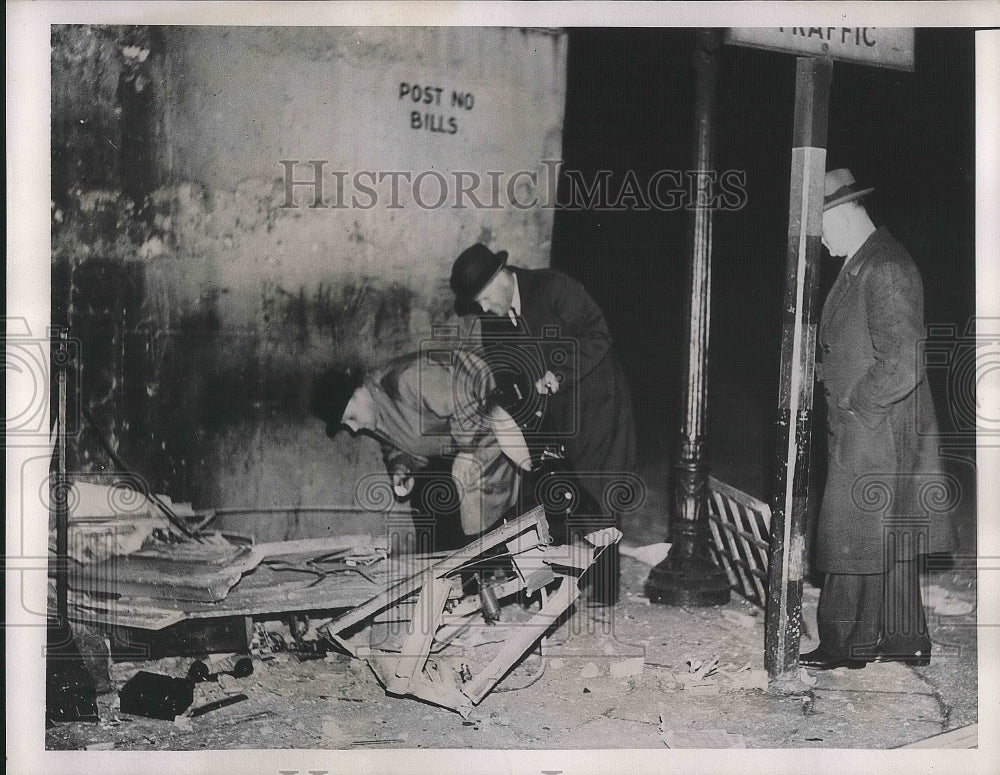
[652, 554]
[260, 642]
[702, 669]
[750, 679]
[590, 670]
[746, 678]
[807, 679]
[945, 604]
[229, 684]
[666, 681]
[627, 667]
[604, 537]
[106, 746]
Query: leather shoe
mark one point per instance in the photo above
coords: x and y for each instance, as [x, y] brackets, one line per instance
[918, 659]
[821, 660]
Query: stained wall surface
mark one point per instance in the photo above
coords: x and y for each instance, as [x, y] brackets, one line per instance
[212, 278]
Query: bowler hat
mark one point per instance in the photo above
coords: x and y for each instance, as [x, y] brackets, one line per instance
[839, 187]
[472, 271]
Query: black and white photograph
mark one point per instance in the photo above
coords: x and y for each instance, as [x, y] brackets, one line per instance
[505, 387]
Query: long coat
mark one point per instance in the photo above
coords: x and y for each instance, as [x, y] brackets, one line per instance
[561, 329]
[886, 497]
[430, 404]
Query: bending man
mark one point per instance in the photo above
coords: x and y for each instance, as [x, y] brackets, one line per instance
[422, 406]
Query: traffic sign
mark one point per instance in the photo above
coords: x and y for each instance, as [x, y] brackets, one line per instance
[890, 47]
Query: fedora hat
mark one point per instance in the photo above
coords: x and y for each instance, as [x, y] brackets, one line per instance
[839, 187]
[472, 271]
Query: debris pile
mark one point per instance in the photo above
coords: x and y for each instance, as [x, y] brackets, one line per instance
[421, 636]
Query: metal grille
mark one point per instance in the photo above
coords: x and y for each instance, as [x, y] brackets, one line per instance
[741, 534]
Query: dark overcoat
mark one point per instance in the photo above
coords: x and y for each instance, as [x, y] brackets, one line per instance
[885, 496]
[561, 329]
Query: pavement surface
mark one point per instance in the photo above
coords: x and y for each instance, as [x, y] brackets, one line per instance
[634, 676]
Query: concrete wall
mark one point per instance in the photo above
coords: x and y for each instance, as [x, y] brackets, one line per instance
[246, 292]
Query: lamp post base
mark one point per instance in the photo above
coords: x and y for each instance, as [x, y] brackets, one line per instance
[687, 580]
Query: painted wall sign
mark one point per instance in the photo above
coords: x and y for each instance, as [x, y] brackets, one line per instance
[433, 108]
[890, 47]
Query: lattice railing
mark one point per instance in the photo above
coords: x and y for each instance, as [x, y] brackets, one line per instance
[741, 531]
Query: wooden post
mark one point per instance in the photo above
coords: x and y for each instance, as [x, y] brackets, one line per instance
[688, 576]
[798, 358]
[61, 494]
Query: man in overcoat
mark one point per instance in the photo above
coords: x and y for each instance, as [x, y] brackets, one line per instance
[546, 340]
[886, 500]
[421, 407]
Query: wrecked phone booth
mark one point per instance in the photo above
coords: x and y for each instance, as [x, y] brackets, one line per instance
[235, 210]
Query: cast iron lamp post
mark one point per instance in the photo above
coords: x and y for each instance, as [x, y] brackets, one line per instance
[688, 576]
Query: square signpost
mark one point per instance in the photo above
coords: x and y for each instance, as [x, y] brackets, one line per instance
[881, 47]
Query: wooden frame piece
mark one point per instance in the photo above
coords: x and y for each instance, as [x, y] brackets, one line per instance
[445, 565]
[426, 600]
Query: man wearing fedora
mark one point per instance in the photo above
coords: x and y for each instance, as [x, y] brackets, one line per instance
[546, 340]
[878, 515]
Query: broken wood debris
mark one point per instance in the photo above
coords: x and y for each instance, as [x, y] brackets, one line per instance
[426, 603]
[245, 588]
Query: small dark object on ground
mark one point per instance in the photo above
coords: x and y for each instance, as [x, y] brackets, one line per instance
[156, 696]
[200, 671]
[70, 693]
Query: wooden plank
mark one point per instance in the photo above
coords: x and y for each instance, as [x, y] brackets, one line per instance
[734, 494]
[437, 692]
[572, 555]
[83, 609]
[424, 623]
[526, 634]
[259, 593]
[963, 737]
[445, 565]
[440, 694]
[316, 546]
[798, 356]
